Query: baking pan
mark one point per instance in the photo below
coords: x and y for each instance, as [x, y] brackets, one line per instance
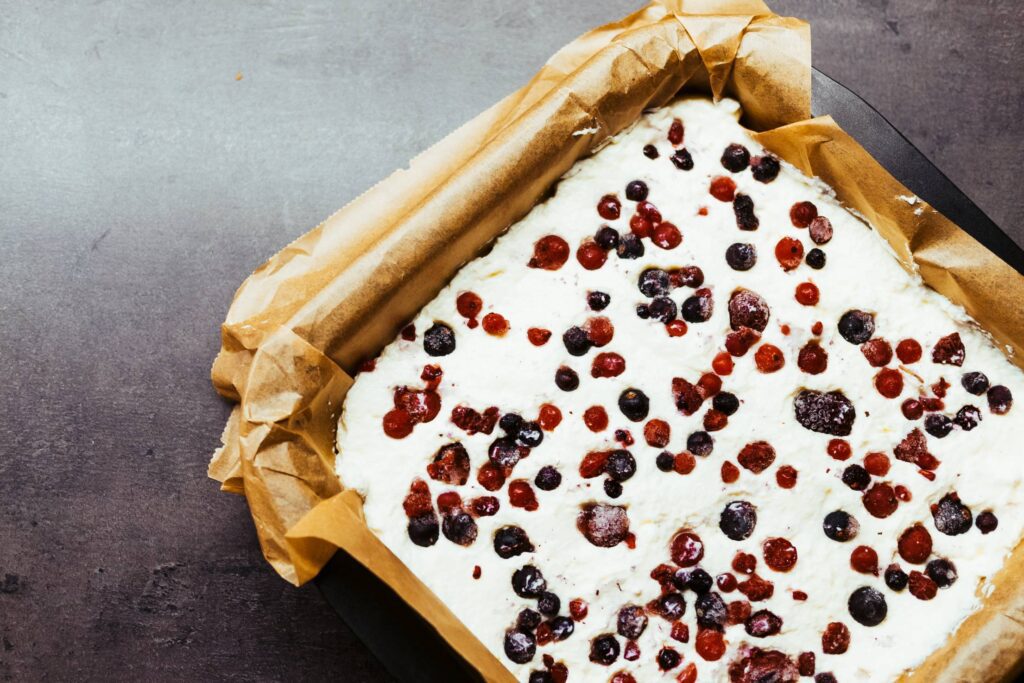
[405, 644]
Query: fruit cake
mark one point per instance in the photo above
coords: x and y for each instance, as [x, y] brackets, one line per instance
[691, 419]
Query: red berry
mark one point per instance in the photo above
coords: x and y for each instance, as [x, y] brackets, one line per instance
[675, 132]
[908, 351]
[550, 417]
[650, 212]
[877, 351]
[710, 644]
[521, 495]
[538, 336]
[468, 305]
[726, 582]
[709, 385]
[922, 587]
[667, 236]
[769, 358]
[812, 359]
[789, 252]
[730, 472]
[578, 609]
[676, 328]
[739, 342]
[591, 256]
[786, 477]
[549, 253]
[836, 639]
[600, 331]
[779, 554]
[889, 382]
[595, 418]
[723, 189]
[715, 420]
[807, 293]
[817, 327]
[877, 464]
[657, 433]
[722, 364]
[609, 207]
[495, 324]
[607, 365]
[687, 549]
[915, 544]
[490, 476]
[880, 500]
[912, 409]
[864, 560]
[757, 456]
[398, 423]
[802, 213]
[839, 449]
[640, 226]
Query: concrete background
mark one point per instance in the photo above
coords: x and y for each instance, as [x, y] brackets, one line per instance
[141, 181]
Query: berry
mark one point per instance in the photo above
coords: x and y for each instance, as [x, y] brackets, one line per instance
[840, 526]
[986, 522]
[670, 606]
[605, 526]
[877, 464]
[634, 404]
[566, 379]
[459, 528]
[510, 541]
[743, 208]
[967, 418]
[1000, 400]
[735, 158]
[757, 456]
[630, 247]
[786, 476]
[789, 252]
[815, 258]
[549, 253]
[878, 352]
[598, 301]
[607, 237]
[864, 560]
[856, 326]
[668, 659]
[895, 578]
[538, 336]
[620, 465]
[711, 610]
[738, 520]
[609, 207]
[698, 580]
[949, 350]
[631, 622]
[748, 309]
[528, 620]
[908, 351]
[423, 529]
[938, 425]
[762, 624]
[880, 500]
[922, 587]
[812, 359]
[764, 168]
[802, 213]
[889, 382]
[650, 151]
[604, 649]
[710, 645]
[636, 191]
[825, 413]
[741, 256]
[769, 358]
[835, 639]
[699, 307]
[528, 582]
[562, 628]
[975, 383]
[686, 549]
[779, 554]
[726, 402]
[723, 189]
[548, 604]
[439, 340]
[654, 282]
[807, 294]
[682, 159]
[607, 365]
[662, 309]
[667, 236]
[942, 572]
[548, 478]
[675, 132]
[520, 647]
[820, 230]
[665, 461]
[576, 341]
[912, 409]
[867, 606]
[506, 453]
[915, 544]
[856, 477]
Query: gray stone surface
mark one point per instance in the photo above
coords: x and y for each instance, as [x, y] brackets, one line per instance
[140, 182]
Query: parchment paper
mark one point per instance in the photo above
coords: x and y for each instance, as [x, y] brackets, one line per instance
[301, 324]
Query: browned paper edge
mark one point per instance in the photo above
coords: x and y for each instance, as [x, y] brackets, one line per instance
[299, 326]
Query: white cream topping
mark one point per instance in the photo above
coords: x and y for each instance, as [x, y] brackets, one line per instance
[982, 465]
